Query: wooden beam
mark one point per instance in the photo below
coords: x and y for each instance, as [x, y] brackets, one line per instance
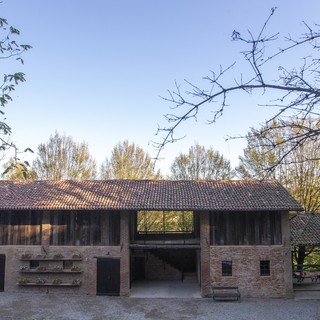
[164, 246]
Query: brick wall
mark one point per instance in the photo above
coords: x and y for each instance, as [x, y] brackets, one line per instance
[125, 254]
[205, 254]
[246, 270]
[287, 264]
[88, 266]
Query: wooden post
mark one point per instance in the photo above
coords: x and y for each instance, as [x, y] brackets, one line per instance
[46, 231]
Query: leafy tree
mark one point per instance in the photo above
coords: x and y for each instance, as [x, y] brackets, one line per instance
[9, 49]
[128, 161]
[61, 158]
[201, 164]
[294, 91]
[19, 171]
[314, 257]
[299, 172]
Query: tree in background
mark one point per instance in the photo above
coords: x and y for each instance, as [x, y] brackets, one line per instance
[299, 172]
[201, 164]
[128, 161]
[61, 158]
[10, 50]
[294, 90]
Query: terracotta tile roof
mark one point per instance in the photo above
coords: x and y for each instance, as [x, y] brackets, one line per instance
[305, 229]
[145, 195]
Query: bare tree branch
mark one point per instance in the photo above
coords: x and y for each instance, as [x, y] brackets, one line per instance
[297, 89]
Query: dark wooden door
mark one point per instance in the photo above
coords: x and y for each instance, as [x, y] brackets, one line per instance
[108, 277]
[2, 271]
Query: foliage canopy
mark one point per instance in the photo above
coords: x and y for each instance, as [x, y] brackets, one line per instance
[128, 161]
[61, 158]
[10, 49]
[201, 164]
[299, 168]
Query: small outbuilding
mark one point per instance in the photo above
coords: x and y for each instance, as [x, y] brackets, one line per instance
[305, 240]
[305, 229]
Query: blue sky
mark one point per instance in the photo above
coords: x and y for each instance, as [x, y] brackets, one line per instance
[98, 68]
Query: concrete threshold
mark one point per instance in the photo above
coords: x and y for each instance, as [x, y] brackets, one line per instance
[165, 289]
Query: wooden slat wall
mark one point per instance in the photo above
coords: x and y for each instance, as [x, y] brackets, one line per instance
[83, 228]
[245, 228]
[67, 228]
[20, 228]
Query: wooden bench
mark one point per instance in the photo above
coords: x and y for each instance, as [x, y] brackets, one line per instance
[302, 275]
[226, 293]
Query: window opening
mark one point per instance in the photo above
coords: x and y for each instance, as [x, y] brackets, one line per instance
[264, 268]
[159, 222]
[226, 267]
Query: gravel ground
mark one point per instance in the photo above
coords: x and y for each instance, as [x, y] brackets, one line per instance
[70, 307]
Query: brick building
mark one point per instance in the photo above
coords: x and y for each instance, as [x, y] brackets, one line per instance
[99, 237]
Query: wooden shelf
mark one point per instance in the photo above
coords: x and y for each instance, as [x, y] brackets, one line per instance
[50, 271]
[48, 268]
[33, 284]
[50, 259]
